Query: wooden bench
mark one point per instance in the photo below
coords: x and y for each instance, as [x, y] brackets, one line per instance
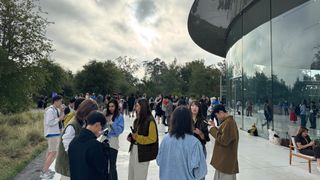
[295, 152]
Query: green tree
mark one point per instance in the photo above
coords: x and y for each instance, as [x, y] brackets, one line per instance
[171, 79]
[55, 79]
[23, 31]
[102, 78]
[128, 67]
[200, 79]
[23, 44]
[194, 78]
[155, 68]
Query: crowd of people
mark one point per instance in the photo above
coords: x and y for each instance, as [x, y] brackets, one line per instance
[306, 111]
[83, 137]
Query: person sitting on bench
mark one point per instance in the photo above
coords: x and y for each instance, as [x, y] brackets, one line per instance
[306, 146]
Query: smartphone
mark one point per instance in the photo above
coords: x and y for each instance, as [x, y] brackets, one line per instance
[106, 129]
[205, 121]
[132, 130]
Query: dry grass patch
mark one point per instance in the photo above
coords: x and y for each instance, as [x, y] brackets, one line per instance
[21, 139]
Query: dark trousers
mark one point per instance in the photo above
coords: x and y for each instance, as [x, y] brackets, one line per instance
[164, 120]
[113, 175]
[303, 120]
[313, 120]
[312, 152]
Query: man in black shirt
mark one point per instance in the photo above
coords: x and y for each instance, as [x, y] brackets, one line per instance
[87, 156]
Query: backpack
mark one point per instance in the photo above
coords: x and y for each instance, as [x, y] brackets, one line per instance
[297, 110]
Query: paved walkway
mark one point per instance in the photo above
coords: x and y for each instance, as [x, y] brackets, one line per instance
[258, 159]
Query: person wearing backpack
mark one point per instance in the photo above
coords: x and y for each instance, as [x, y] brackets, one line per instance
[53, 117]
[72, 130]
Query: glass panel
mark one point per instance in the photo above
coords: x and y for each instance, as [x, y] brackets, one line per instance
[296, 68]
[234, 76]
[257, 79]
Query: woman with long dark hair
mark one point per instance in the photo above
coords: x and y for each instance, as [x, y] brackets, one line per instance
[307, 146]
[181, 154]
[144, 141]
[115, 123]
[200, 128]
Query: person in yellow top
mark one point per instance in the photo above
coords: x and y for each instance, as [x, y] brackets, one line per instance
[72, 114]
[144, 142]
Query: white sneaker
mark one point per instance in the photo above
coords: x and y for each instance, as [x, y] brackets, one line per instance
[51, 172]
[46, 175]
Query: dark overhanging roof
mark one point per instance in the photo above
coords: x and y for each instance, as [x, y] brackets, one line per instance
[215, 25]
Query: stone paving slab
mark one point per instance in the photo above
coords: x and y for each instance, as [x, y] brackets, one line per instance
[258, 159]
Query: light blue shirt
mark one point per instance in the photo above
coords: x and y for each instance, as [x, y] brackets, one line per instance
[181, 158]
[117, 127]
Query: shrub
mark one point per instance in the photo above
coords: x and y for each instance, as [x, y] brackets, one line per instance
[21, 139]
[16, 119]
[4, 132]
[15, 148]
[34, 138]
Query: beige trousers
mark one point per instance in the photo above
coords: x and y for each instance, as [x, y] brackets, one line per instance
[222, 176]
[137, 171]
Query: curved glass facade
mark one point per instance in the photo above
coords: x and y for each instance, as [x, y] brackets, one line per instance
[274, 68]
[211, 21]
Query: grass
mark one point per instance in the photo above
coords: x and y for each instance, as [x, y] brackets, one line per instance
[21, 140]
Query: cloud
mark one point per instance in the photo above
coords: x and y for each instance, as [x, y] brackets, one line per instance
[144, 9]
[106, 29]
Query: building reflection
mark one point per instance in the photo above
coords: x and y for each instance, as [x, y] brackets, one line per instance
[272, 51]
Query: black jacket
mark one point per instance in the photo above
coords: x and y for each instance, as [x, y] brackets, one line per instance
[201, 125]
[87, 157]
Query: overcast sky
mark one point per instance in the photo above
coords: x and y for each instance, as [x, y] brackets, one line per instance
[105, 29]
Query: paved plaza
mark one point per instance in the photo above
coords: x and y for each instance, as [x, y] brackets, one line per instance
[258, 159]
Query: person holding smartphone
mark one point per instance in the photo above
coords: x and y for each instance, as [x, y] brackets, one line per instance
[307, 146]
[200, 130]
[144, 141]
[115, 124]
[52, 128]
[225, 152]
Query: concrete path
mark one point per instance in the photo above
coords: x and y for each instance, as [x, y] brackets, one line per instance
[258, 159]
